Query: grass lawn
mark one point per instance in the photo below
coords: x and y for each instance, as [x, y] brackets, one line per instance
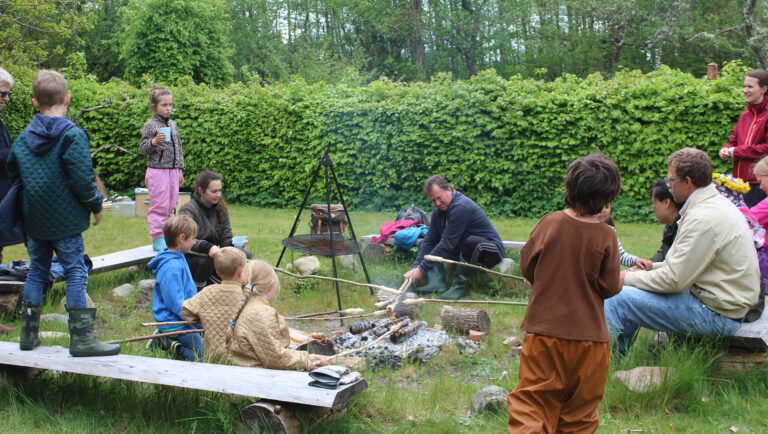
[428, 398]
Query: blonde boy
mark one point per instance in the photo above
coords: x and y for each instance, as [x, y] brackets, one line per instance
[216, 305]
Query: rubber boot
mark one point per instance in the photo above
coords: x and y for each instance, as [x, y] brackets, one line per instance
[159, 244]
[458, 288]
[435, 281]
[29, 337]
[82, 341]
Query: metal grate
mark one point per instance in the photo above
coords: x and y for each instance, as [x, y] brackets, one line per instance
[319, 244]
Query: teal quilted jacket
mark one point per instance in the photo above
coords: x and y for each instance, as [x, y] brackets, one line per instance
[59, 193]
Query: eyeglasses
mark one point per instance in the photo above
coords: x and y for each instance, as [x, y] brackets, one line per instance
[5, 94]
[668, 180]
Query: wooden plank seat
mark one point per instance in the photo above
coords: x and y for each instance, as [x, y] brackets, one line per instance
[101, 264]
[278, 387]
[508, 245]
[753, 335]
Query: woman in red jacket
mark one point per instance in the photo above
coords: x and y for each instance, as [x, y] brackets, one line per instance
[749, 139]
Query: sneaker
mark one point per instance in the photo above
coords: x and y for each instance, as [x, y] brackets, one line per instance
[162, 343]
[159, 244]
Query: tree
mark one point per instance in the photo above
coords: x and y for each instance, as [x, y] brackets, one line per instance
[101, 44]
[168, 40]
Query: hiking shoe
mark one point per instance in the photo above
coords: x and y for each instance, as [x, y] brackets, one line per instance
[83, 341]
[29, 337]
[159, 244]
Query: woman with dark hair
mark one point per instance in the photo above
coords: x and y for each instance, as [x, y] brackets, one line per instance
[209, 211]
[749, 141]
[667, 212]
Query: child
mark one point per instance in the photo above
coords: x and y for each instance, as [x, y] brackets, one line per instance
[174, 284]
[625, 258]
[52, 159]
[259, 336]
[165, 162]
[215, 305]
[572, 261]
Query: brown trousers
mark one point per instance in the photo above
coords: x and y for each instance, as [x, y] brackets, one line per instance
[561, 384]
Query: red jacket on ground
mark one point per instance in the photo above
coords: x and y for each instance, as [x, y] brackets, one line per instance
[749, 140]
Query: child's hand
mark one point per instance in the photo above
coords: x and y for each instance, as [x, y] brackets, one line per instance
[159, 138]
[181, 178]
[214, 250]
[643, 264]
[97, 217]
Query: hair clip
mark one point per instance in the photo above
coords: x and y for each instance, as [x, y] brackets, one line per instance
[232, 324]
[248, 286]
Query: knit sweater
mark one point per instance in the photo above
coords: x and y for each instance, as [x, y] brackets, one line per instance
[261, 339]
[215, 306]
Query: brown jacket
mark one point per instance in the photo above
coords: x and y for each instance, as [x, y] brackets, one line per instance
[166, 155]
[262, 337]
[573, 266]
[215, 306]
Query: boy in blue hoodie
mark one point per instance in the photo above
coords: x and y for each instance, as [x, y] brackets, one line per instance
[52, 159]
[174, 284]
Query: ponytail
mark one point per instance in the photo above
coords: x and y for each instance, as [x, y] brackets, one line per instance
[258, 278]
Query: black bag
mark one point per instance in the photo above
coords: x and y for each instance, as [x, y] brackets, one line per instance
[413, 213]
[755, 312]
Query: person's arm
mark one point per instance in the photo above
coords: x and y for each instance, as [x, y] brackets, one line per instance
[760, 212]
[726, 151]
[608, 281]
[200, 246]
[265, 341]
[428, 243]
[190, 308]
[753, 152]
[454, 230]
[626, 259]
[147, 134]
[79, 169]
[225, 234]
[173, 297]
[12, 167]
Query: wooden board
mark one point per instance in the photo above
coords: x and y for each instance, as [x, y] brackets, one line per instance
[274, 385]
[508, 245]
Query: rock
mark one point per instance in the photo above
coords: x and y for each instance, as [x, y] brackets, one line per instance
[490, 398]
[133, 269]
[53, 318]
[121, 291]
[505, 265]
[476, 336]
[147, 285]
[88, 302]
[306, 265]
[349, 262]
[513, 341]
[644, 378]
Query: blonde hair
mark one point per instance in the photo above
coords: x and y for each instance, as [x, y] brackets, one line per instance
[49, 88]
[259, 278]
[6, 77]
[227, 261]
[177, 225]
[156, 92]
[761, 168]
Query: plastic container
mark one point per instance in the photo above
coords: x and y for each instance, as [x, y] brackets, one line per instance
[124, 209]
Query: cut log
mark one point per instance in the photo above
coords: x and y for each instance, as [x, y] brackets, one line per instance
[463, 319]
[410, 311]
[9, 303]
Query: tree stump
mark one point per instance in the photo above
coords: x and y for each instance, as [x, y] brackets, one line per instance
[265, 416]
[401, 310]
[463, 319]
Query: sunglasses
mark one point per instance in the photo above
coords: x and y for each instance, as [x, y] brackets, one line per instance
[5, 94]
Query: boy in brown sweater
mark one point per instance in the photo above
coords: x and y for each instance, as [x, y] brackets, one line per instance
[215, 305]
[572, 262]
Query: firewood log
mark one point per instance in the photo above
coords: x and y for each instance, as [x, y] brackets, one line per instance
[410, 311]
[463, 319]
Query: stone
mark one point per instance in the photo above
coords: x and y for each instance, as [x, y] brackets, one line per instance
[505, 265]
[490, 398]
[644, 378]
[121, 291]
[476, 336]
[88, 301]
[133, 269]
[53, 318]
[513, 341]
[147, 285]
[307, 265]
[349, 262]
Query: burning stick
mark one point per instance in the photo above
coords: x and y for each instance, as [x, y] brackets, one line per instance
[402, 290]
[154, 324]
[392, 329]
[312, 276]
[378, 312]
[350, 311]
[438, 300]
[477, 267]
[159, 335]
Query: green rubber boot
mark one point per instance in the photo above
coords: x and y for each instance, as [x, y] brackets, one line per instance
[435, 281]
[82, 341]
[29, 337]
[458, 288]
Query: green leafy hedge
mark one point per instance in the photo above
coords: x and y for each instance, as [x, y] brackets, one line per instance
[505, 143]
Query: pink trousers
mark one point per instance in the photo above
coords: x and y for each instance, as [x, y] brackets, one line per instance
[163, 185]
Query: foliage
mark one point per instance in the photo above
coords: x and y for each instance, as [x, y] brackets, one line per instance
[169, 40]
[505, 143]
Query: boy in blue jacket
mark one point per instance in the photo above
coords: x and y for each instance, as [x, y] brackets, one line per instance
[174, 284]
[52, 158]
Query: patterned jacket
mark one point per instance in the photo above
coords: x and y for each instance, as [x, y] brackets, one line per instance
[166, 155]
[215, 306]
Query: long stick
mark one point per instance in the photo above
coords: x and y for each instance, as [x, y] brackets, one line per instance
[438, 300]
[403, 288]
[378, 312]
[154, 324]
[312, 276]
[350, 311]
[464, 264]
[159, 335]
[392, 329]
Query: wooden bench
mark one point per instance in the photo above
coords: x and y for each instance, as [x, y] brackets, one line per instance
[284, 392]
[753, 335]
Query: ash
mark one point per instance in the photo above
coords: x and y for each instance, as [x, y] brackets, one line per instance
[419, 347]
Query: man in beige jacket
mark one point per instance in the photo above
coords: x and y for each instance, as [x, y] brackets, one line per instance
[710, 276]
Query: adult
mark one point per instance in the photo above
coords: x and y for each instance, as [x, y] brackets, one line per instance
[749, 141]
[208, 210]
[710, 277]
[6, 83]
[459, 230]
[667, 211]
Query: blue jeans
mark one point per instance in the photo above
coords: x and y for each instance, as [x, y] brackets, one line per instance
[679, 312]
[191, 347]
[70, 252]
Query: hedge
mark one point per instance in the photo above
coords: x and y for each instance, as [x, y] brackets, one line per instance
[505, 143]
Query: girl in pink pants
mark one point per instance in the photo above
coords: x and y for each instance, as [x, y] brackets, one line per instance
[161, 144]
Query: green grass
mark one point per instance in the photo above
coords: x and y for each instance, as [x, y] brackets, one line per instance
[428, 398]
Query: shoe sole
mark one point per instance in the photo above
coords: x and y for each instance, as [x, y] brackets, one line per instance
[95, 353]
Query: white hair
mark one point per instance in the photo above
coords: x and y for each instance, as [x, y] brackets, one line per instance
[6, 78]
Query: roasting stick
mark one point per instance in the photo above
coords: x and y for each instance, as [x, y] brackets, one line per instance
[153, 324]
[398, 298]
[392, 329]
[477, 267]
[159, 335]
[439, 300]
[350, 311]
[378, 312]
[312, 276]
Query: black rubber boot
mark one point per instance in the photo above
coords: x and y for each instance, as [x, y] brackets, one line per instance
[458, 288]
[82, 340]
[435, 281]
[29, 337]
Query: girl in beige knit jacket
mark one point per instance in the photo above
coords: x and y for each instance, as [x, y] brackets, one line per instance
[259, 336]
